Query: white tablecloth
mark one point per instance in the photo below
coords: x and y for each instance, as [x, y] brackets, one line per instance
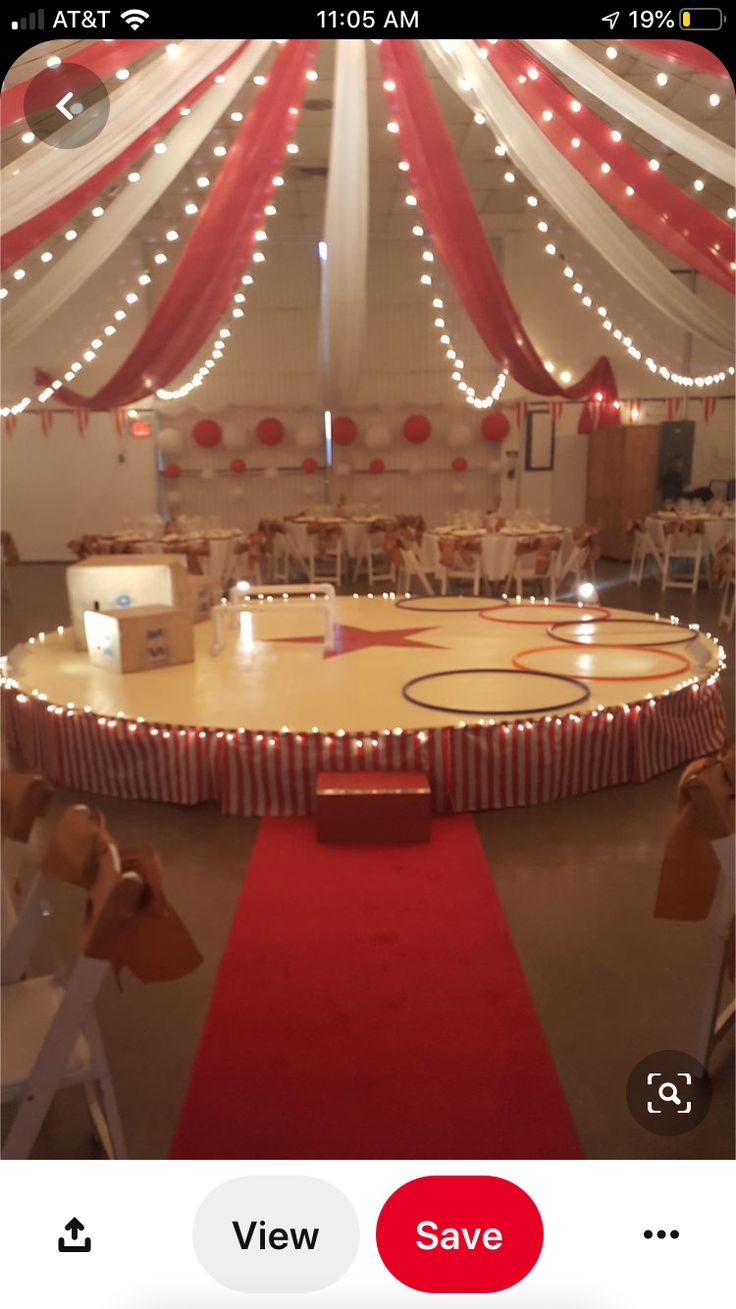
[714, 529]
[497, 550]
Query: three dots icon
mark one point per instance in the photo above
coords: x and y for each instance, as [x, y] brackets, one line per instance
[661, 1234]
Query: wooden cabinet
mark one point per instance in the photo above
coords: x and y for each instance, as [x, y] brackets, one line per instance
[622, 483]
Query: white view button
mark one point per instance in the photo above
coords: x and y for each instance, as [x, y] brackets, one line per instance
[276, 1234]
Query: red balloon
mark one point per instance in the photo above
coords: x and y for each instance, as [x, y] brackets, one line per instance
[309, 465]
[417, 428]
[459, 464]
[207, 433]
[237, 465]
[344, 431]
[377, 466]
[172, 471]
[270, 431]
[140, 428]
[495, 427]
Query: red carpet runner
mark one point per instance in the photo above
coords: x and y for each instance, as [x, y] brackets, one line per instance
[369, 1004]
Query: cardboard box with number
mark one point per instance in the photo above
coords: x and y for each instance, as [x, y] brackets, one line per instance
[138, 640]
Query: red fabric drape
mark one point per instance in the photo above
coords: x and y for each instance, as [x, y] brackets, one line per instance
[659, 208]
[449, 214]
[23, 238]
[101, 58]
[218, 249]
[688, 54]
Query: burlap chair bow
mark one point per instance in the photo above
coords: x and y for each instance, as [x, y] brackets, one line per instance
[327, 535]
[454, 552]
[585, 537]
[705, 812]
[414, 524]
[722, 562]
[683, 527]
[255, 545]
[10, 550]
[635, 525]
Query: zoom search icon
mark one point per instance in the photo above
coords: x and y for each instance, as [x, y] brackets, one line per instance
[668, 1093]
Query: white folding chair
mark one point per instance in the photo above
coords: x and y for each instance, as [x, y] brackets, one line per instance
[525, 570]
[682, 546]
[460, 570]
[644, 547]
[411, 566]
[717, 1017]
[285, 553]
[325, 566]
[25, 799]
[371, 556]
[50, 1038]
[728, 605]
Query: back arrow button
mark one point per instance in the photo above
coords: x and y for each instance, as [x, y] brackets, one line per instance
[61, 106]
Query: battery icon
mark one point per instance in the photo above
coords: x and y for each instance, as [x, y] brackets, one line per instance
[701, 20]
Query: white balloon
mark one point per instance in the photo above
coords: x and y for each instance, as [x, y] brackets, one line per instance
[459, 435]
[343, 469]
[237, 492]
[311, 490]
[458, 486]
[378, 436]
[170, 441]
[417, 464]
[174, 498]
[234, 436]
[208, 474]
[375, 493]
[308, 436]
[270, 472]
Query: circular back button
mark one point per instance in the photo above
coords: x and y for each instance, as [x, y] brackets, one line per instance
[459, 1234]
[66, 107]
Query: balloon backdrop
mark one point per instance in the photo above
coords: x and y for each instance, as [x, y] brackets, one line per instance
[172, 471]
[207, 433]
[308, 436]
[233, 436]
[309, 465]
[344, 431]
[377, 466]
[237, 465]
[495, 427]
[170, 441]
[378, 436]
[270, 431]
[417, 428]
[459, 435]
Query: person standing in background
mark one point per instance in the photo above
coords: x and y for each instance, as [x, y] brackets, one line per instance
[672, 483]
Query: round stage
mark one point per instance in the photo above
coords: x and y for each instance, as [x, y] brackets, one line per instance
[499, 703]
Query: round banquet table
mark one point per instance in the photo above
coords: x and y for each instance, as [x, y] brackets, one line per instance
[715, 527]
[497, 549]
[353, 529]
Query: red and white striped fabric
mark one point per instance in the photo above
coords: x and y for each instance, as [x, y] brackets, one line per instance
[472, 768]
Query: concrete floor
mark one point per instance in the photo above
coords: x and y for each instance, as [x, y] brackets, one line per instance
[577, 881]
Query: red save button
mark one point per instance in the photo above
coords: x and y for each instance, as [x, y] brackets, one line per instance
[459, 1234]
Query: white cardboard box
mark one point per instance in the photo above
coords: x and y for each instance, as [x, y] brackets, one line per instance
[123, 582]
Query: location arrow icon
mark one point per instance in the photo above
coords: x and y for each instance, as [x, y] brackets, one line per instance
[61, 106]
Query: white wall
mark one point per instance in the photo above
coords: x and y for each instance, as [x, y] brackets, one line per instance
[55, 487]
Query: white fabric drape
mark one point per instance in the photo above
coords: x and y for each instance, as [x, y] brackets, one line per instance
[660, 122]
[89, 252]
[346, 230]
[571, 195]
[44, 175]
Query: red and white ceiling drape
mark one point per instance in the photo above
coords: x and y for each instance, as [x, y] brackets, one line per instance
[218, 249]
[572, 196]
[132, 203]
[47, 188]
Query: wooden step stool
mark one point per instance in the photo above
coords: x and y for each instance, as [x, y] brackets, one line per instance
[373, 808]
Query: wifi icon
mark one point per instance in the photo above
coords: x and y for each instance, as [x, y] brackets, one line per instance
[135, 18]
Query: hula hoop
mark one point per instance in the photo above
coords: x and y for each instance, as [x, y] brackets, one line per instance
[524, 672]
[436, 609]
[486, 613]
[682, 664]
[685, 635]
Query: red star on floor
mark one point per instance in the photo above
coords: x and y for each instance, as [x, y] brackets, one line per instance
[348, 639]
